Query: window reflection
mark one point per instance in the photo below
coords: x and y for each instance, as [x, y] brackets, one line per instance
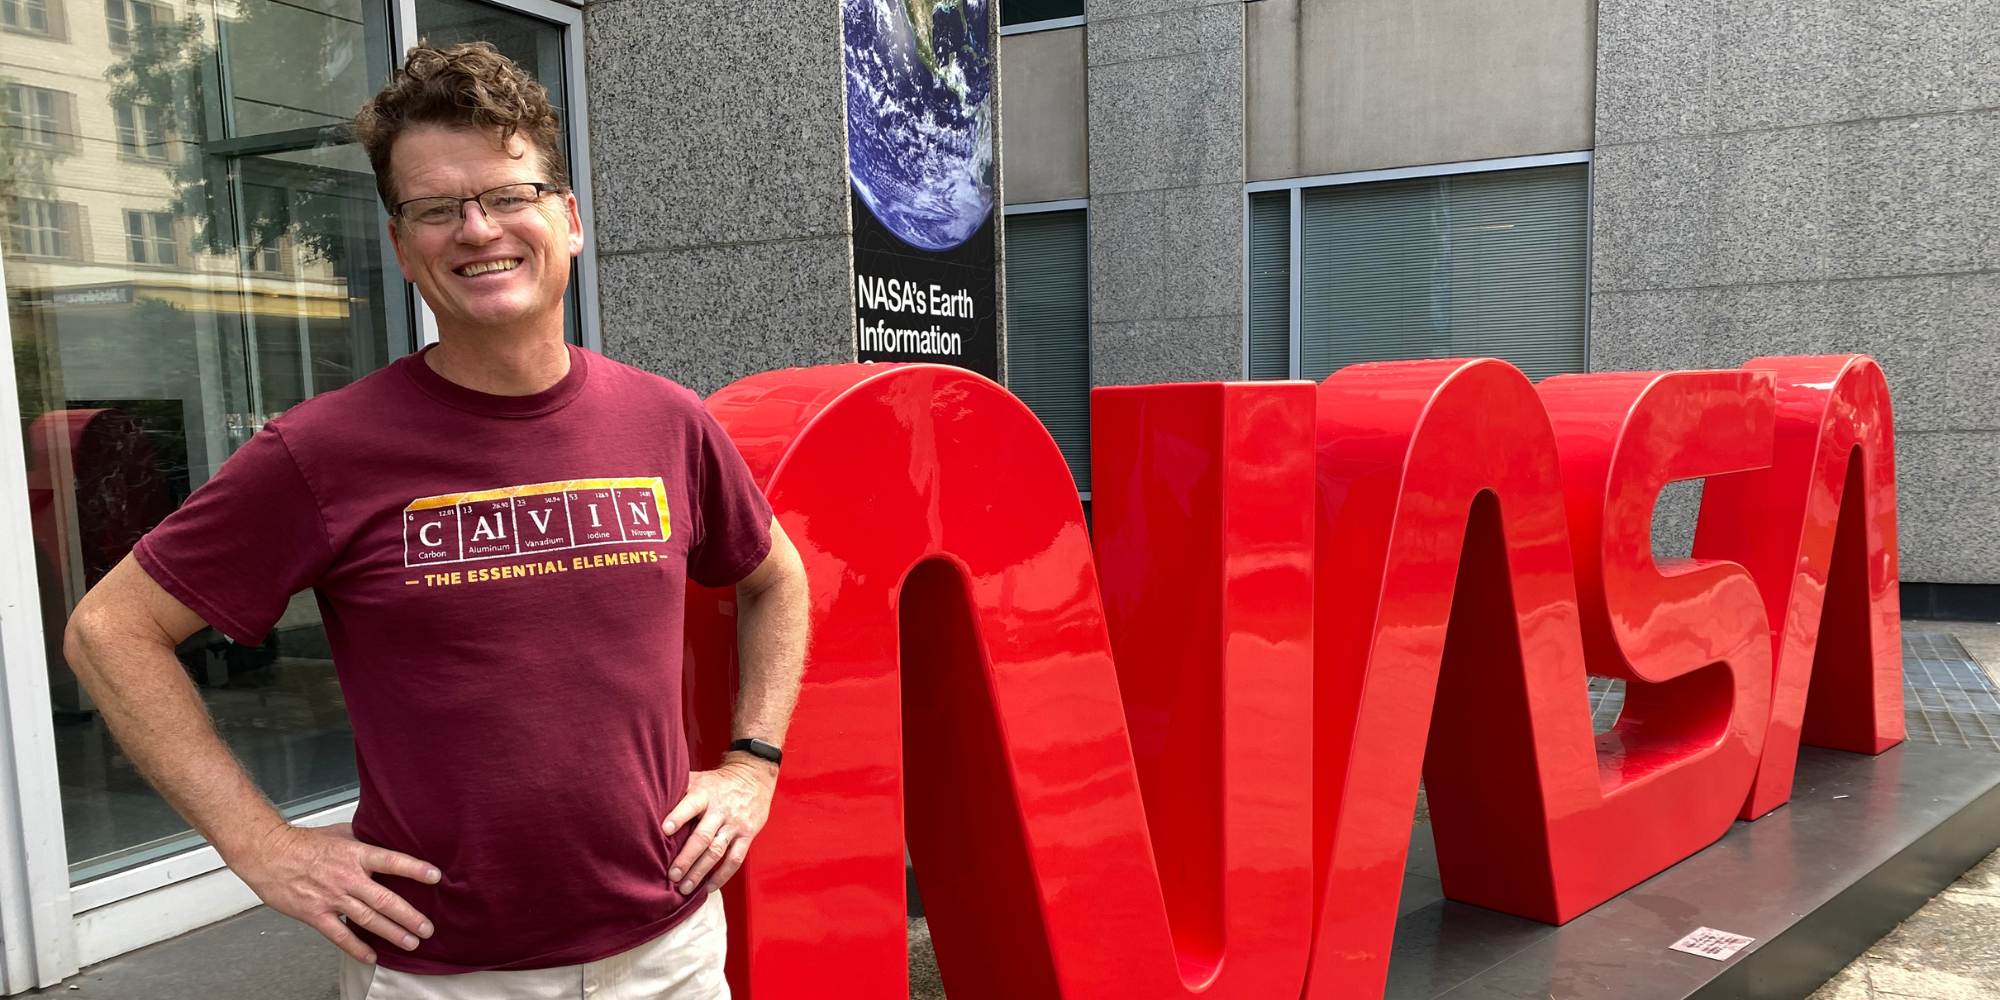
[191, 250]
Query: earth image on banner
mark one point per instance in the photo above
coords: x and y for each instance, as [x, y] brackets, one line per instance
[919, 115]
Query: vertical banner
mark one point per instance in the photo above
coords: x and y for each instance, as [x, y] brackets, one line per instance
[920, 164]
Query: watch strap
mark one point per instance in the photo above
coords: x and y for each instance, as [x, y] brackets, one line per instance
[759, 749]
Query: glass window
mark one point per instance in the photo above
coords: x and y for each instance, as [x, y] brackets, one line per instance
[295, 65]
[1048, 327]
[41, 228]
[31, 16]
[1024, 11]
[142, 131]
[535, 44]
[1270, 320]
[165, 307]
[128, 21]
[1488, 264]
[188, 300]
[263, 258]
[36, 112]
[149, 237]
[127, 118]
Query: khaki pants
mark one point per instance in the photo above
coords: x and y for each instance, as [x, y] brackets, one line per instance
[685, 963]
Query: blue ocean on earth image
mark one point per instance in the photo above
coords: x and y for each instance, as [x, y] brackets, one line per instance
[919, 115]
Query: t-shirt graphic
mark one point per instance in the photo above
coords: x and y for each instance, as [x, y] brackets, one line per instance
[534, 519]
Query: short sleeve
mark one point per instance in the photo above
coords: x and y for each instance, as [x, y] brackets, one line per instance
[732, 518]
[242, 544]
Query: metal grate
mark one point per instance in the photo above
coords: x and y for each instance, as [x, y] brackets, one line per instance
[1607, 699]
[1948, 698]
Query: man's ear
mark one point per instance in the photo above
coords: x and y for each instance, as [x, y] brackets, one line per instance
[396, 241]
[575, 223]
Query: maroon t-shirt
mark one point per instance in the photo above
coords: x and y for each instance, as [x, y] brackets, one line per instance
[502, 582]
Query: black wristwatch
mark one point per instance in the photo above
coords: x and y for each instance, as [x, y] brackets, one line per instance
[760, 749]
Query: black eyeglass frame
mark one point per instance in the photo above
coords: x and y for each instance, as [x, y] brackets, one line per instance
[542, 190]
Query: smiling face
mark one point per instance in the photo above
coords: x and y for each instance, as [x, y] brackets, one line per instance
[480, 274]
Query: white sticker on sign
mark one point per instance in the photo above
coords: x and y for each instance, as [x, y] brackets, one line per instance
[1711, 943]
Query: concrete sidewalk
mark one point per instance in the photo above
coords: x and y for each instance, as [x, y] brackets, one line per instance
[258, 955]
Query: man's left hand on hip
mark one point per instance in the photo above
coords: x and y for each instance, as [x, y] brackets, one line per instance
[733, 801]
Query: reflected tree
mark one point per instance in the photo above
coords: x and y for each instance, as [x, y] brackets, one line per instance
[177, 67]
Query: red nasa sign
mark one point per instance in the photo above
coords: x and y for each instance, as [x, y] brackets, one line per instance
[1180, 757]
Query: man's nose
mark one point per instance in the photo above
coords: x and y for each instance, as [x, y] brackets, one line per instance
[475, 226]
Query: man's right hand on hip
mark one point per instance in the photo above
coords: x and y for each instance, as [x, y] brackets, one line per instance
[324, 878]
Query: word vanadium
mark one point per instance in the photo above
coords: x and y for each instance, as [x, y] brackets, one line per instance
[1178, 755]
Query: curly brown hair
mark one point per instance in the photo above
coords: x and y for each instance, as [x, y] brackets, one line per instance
[469, 85]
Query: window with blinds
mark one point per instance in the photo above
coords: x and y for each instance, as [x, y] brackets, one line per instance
[1048, 328]
[1489, 264]
[1269, 352]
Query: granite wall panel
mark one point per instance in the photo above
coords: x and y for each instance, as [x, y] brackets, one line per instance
[1178, 349]
[707, 126]
[1814, 176]
[1176, 118]
[719, 155]
[708, 316]
[1668, 69]
[1166, 190]
[1934, 335]
[1947, 515]
[1153, 254]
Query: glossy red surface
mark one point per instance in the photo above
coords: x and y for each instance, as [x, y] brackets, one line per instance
[1185, 762]
[1687, 636]
[1818, 531]
[961, 685]
[1451, 641]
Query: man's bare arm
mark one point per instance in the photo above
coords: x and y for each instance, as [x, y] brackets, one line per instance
[771, 625]
[734, 800]
[120, 643]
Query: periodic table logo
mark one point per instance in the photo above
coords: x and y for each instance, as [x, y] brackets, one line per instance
[534, 519]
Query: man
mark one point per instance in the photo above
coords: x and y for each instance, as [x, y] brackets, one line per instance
[499, 531]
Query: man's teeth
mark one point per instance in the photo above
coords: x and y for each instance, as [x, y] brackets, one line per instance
[484, 266]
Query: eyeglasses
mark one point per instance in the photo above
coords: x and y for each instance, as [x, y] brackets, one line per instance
[498, 203]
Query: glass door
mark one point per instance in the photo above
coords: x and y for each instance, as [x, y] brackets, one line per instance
[191, 247]
[538, 46]
[216, 259]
